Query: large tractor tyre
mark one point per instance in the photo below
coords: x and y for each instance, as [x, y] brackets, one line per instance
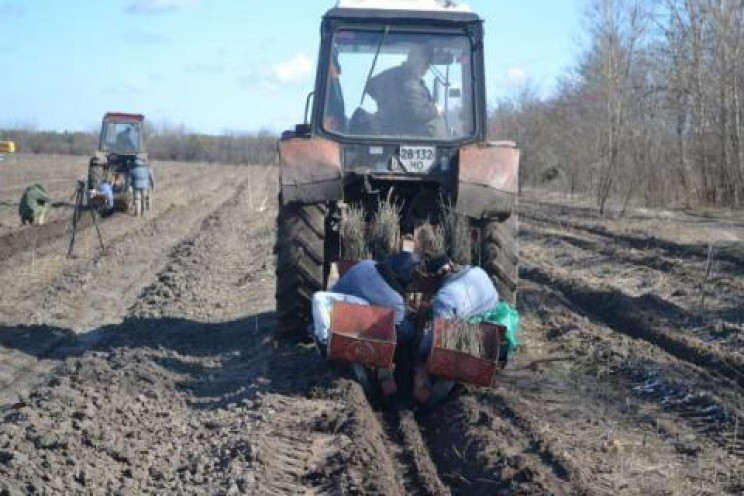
[500, 256]
[300, 267]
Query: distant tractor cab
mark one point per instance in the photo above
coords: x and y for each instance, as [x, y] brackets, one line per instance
[120, 148]
[398, 113]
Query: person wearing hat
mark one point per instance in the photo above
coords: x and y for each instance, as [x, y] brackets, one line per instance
[405, 105]
[383, 284]
[125, 141]
[465, 292]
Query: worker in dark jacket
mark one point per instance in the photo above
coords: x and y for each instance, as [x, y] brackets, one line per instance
[34, 205]
[383, 284]
[405, 105]
[142, 181]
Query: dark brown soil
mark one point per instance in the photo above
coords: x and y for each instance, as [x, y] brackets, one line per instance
[151, 369]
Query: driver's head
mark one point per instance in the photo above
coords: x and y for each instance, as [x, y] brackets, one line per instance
[419, 58]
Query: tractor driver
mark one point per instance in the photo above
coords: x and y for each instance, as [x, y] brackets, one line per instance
[405, 105]
[125, 141]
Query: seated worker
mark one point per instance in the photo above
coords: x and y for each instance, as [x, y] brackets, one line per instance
[106, 189]
[404, 103]
[34, 205]
[466, 291]
[383, 284]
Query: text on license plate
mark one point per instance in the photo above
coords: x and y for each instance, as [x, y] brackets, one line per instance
[417, 158]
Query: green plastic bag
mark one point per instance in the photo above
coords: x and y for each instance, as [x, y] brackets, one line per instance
[503, 315]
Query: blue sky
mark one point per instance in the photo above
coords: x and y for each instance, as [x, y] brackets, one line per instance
[216, 65]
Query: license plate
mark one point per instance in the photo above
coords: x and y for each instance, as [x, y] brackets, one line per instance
[417, 158]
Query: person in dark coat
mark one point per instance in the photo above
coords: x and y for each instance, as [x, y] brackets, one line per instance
[405, 105]
[34, 205]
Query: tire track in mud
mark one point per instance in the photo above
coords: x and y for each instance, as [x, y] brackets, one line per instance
[335, 442]
[485, 448]
[24, 372]
[417, 471]
[732, 253]
[695, 409]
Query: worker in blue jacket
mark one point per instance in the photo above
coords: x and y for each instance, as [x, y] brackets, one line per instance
[465, 291]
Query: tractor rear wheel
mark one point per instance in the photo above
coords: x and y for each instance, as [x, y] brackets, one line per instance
[300, 265]
[501, 256]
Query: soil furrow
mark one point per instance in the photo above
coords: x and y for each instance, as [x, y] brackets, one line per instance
[480, 450]
[47, 340]
[729, 252]
[690, 408]
[417, 470]
[645, 317]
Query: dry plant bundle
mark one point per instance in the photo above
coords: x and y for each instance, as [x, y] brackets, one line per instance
[385, 233]
[457, 236]
[464, 337]
[353, 235]
[430, 240]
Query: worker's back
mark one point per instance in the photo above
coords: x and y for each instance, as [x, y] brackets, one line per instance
[364, 281]
[465, 294]
[141, 176]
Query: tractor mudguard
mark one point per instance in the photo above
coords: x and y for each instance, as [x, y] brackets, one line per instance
[488, 180]
[310, 170]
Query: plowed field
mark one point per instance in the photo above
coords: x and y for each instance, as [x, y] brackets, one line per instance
[150, 368]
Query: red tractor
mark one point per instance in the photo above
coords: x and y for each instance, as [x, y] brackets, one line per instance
[120, 147]
[356, 149]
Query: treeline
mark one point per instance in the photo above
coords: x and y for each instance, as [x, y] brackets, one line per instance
[176, 143]
[652, 113]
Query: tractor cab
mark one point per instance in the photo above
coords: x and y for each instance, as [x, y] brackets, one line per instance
[400, 89]
[389, 76]
[121, 134]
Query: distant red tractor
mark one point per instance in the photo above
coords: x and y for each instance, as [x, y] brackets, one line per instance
[120, 148]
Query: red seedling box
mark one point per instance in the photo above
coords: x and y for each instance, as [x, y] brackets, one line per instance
[461, 367]
[362, 334]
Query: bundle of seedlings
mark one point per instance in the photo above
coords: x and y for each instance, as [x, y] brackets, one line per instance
[354, 235]
[465, 337]
[384, 236]
[430, 240]
[457, 236]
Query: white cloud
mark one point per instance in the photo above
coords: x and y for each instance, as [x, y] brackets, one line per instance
[157, 6]
[293, 70]
[516, 75]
